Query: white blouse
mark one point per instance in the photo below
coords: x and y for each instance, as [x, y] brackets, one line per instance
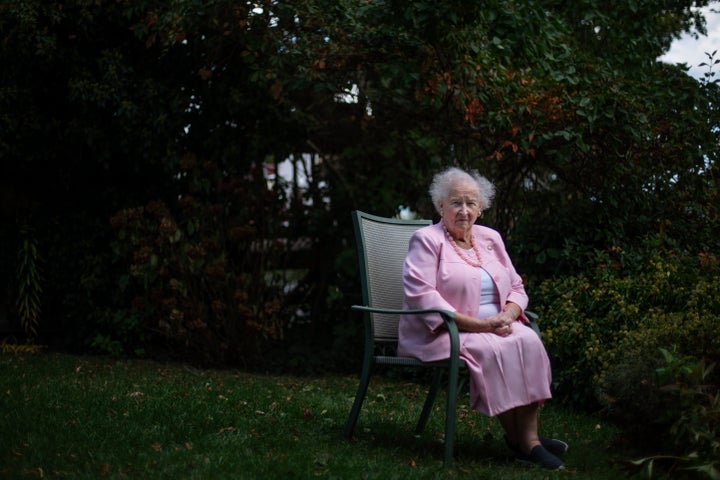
[489, 297]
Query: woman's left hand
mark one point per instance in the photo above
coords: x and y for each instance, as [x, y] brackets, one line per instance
[503, 331]
[501, 323]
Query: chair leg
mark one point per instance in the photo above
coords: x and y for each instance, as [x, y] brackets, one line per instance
[359, 398]
[429, 401]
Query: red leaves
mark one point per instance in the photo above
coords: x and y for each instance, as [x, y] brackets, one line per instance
[473, 110]
[276, 90]
[510, 145]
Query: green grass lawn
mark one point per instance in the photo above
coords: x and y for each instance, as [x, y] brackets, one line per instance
[76, 417]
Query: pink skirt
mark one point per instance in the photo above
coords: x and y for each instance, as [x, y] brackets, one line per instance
[506, 372]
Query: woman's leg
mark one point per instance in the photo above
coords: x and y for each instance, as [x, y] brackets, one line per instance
[527, 427]
[521, 426]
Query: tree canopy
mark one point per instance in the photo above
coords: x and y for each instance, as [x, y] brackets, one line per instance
[109, 105]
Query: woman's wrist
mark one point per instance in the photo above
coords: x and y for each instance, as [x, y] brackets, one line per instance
[513, 309]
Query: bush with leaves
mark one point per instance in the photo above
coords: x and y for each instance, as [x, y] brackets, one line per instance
[605, 332]
[663, 298]
[201, 267]
[29, 282]
[681, 411]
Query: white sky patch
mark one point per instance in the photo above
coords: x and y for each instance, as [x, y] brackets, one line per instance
[692, 51]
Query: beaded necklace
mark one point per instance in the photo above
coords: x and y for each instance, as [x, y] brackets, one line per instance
[470, 261]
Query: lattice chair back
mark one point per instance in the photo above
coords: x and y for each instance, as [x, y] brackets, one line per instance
[382, 246]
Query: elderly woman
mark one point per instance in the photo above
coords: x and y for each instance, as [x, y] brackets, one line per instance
[462, 267]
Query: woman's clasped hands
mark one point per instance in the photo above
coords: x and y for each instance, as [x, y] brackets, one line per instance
[500, 324]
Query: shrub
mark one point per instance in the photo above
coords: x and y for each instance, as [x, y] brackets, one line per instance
[202, 267]
[637, 338]
[686, 401]
[663, 298]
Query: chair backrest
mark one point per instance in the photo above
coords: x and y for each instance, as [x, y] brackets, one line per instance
[382, 244]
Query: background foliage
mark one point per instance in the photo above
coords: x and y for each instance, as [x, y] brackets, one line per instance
[634, 338]
[591, 141]
[141, 145]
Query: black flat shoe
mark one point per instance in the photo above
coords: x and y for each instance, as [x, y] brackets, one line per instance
[552, 445]
[540, 456]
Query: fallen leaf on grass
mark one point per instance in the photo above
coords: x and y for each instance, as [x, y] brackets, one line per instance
[156, 446]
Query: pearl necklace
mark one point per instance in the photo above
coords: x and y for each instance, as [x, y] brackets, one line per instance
[470, 261]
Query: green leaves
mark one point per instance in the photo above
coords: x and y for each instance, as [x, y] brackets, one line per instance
[29, 282]
[563, 105]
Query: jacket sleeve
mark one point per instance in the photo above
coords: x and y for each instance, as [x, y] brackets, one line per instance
[420, 273]
[517, 292]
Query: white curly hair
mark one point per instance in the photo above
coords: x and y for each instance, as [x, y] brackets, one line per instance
[443, 181]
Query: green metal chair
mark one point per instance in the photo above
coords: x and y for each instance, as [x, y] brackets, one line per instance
[382, 244]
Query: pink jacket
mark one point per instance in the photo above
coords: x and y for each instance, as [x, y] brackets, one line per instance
[434, 276]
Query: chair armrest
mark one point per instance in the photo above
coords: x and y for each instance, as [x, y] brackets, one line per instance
[447, 316]
[532, 322]
[445, 313]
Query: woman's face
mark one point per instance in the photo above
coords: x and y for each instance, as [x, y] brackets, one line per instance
[461, 208]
